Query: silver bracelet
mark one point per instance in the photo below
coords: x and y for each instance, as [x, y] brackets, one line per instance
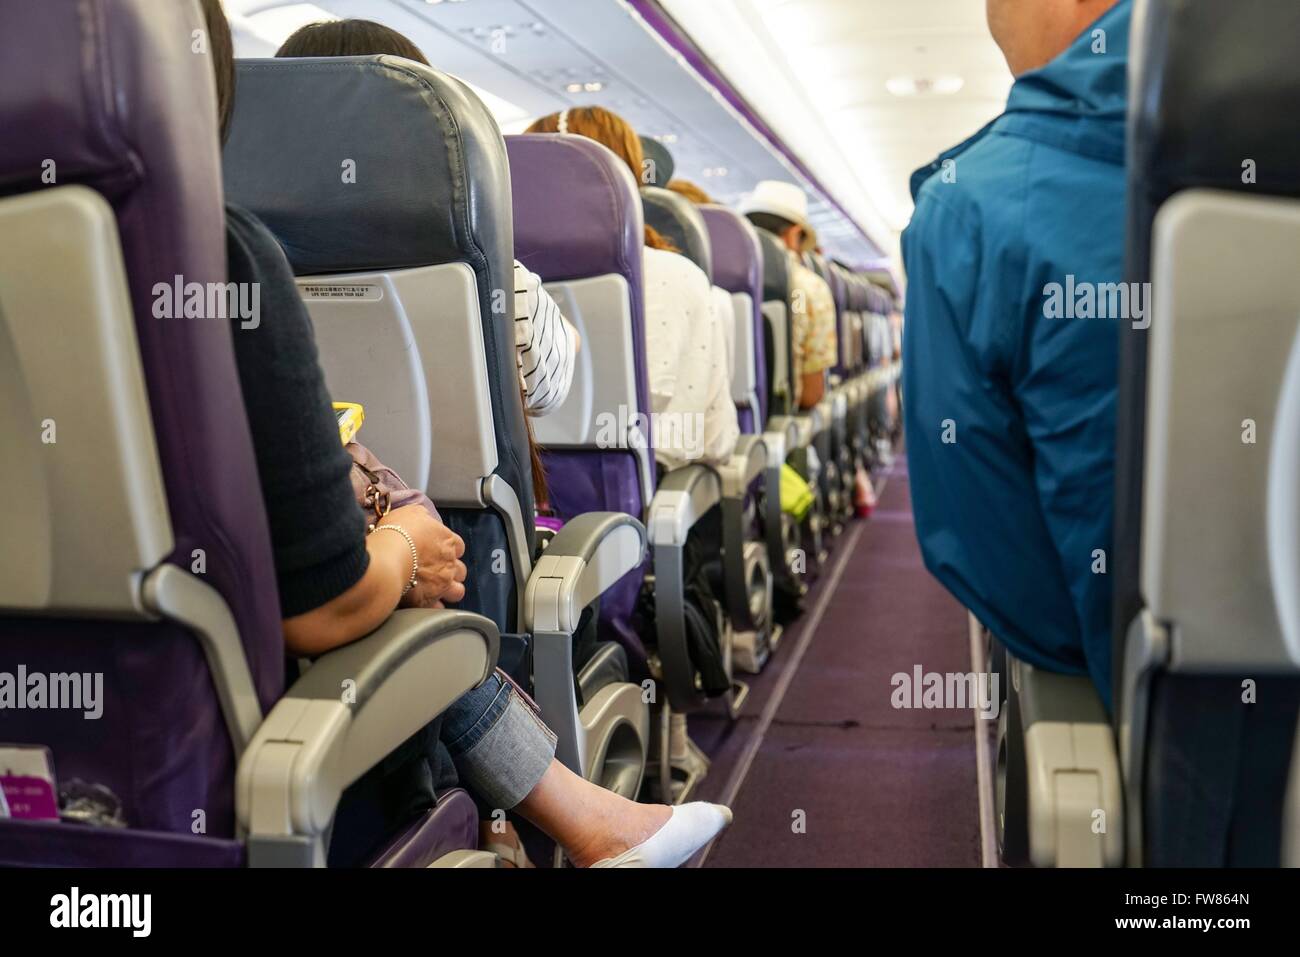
[415, 554]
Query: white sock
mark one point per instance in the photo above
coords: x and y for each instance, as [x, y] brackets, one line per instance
[690, 827]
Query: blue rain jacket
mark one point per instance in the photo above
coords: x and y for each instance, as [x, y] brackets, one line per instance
[1010, 372]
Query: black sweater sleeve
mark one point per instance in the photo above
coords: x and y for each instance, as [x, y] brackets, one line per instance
[317, 528]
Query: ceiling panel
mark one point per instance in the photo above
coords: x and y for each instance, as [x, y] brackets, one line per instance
[814, 69]
[817, 70]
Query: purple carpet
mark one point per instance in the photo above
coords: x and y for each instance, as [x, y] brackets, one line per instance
[839, 777]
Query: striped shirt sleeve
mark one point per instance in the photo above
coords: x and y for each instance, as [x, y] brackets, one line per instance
[545, 342]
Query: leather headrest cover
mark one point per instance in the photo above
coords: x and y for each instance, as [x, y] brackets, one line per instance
[1212, 91]
[363, 163]
[678, 220]
[776, 268]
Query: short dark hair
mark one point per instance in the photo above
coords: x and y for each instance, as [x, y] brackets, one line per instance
[771, 222]
[222, 47]
[349, 38]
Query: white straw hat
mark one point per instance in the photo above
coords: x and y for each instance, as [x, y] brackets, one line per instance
[777, 199]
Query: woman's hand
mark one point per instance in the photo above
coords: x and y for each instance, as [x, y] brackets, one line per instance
[441, 574]
[367, 604]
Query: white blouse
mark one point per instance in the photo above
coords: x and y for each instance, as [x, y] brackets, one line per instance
[546, 345]
[725, 311]
[686, 352]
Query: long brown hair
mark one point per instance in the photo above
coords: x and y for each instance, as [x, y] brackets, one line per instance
[610, 130]
[222, 47]
[367, 38]
[684, 187]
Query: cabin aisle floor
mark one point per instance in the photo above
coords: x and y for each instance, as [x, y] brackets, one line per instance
[877, 786]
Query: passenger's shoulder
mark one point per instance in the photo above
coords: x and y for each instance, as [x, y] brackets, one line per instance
[985, 185]
[242, 224]
[801, 274]
[675, 268]
[251, 245]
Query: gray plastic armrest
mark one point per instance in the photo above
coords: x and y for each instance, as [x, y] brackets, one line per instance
[684, 497]
[792, 427]
[1075, 791]
[749, 461]
[351, 709]
[810, 423]
[745, 465]
[780, 440]
[584, 560]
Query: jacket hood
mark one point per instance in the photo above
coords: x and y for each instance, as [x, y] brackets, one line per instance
[1077, 102]
[1090, 79]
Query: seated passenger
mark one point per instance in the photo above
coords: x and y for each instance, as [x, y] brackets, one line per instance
[1010, 412]
[547, 344]
[722, 307]
[337, 583]
[686, 352]
[782, 210]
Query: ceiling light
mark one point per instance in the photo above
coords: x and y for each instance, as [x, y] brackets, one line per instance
[943, 85]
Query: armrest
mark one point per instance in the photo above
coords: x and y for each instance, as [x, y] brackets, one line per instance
[352, 708]
[745, 465]
[685, 495]
[839, 402]
[825, 412]
[584, 560]
[810, 423]
[738, 575]
[781, 437]
[1072, 770]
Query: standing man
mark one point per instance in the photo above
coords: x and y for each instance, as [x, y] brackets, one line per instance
[1009, 407]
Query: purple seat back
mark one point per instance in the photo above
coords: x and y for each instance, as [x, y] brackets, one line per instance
[112, 92]
[578, 215]
[738, 268]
